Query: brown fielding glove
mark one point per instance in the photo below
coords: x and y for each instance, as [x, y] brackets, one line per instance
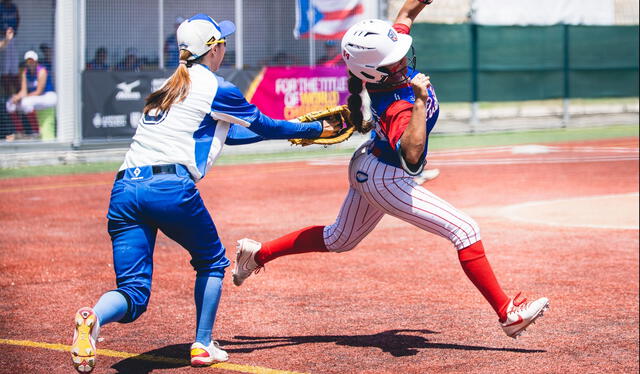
[338, 114]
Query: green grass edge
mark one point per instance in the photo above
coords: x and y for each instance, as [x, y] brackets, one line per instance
[436, 141]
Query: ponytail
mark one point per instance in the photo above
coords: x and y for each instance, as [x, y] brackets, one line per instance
[354, 103]
[174, 90]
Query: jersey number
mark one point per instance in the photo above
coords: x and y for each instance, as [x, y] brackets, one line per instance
[154, 117]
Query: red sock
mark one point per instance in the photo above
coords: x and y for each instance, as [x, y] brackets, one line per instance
[479, 271]
[33, 122]
[309, 239]
[17, 121]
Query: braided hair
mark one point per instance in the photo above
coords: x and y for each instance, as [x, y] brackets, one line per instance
[354, 103]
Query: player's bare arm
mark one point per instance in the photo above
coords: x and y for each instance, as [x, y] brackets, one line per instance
[410, 11]
[414, 137]
[23, 89]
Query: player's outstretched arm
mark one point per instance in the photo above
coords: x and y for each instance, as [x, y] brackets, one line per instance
[230, 105]
[410, 10]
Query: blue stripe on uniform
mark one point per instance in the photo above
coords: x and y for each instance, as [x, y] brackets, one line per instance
[229, 100]
[205, 17]
[204, 137]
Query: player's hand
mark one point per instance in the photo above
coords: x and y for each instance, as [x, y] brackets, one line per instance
[420, 84]
[330, 127]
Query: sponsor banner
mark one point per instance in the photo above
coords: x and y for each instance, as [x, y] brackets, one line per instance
[112, 102]
[289, 92]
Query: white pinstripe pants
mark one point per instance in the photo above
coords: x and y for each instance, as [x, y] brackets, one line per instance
[376, 189]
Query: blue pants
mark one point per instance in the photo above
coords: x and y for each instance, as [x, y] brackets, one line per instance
[141, 203]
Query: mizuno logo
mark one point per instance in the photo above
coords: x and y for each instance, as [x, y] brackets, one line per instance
[127, 87]
[126, 91]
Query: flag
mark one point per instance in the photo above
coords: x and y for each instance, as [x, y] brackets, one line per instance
[331, 18]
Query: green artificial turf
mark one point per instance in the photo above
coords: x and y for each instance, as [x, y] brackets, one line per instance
[436, 141]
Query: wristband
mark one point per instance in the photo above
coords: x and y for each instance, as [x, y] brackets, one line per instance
[425, 2]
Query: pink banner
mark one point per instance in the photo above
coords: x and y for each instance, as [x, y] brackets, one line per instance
[289, 92]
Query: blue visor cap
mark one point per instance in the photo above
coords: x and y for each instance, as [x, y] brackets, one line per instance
[222, 29]
[226, 28]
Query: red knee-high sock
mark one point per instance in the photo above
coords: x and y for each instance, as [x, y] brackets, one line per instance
[309, 239]
[17, 121]
[33, 122]
[478, 270]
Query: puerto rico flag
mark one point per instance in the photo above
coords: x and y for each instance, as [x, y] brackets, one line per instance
[331, 18]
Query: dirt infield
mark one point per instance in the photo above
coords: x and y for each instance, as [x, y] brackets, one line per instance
[559, 221]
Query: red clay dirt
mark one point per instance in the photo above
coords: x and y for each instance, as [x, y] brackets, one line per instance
[398, 303]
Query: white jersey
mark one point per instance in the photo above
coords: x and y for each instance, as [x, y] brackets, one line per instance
[192, 132]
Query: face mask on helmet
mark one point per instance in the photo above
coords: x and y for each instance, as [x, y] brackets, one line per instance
[399, 74]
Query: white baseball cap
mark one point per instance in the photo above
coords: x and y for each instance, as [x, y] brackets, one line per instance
[31, 55]
[194, 34]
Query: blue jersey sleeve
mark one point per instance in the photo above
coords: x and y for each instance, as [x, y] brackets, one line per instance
[239, 135]
[230, 105]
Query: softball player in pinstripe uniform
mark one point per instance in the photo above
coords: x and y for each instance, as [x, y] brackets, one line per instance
[184, 126]
[405, 109]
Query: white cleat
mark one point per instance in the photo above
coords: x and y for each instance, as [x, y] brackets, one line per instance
[520, 314]
[83, 347]
[206, 356]
[245, 260]
[426, 176]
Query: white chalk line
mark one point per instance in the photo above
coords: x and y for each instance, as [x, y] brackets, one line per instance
[616, 154]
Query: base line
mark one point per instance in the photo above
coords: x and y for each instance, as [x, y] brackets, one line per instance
[150, 358]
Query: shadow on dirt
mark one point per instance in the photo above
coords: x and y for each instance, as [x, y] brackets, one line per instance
[396, 342]
[169, 357]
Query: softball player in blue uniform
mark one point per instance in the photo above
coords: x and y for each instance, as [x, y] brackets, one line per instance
[184, 126]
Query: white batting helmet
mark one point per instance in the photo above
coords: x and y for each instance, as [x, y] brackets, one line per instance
[372, 43]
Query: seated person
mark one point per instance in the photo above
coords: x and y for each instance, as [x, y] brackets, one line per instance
[99, 61]
[130, 62]
[171, 50]
[36, 92]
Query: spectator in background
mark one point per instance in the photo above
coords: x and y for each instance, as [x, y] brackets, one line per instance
[6, 126]
[36, 92]
[9, 16]
[99, 61]
[9, 61]
[8, 37]
[45, 59]
[332, 55]
[130, 62]
[171, 50]
[9, 57]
